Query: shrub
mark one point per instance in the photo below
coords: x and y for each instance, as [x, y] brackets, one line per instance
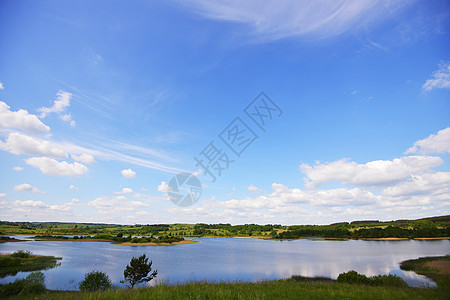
[94, 281]
[32, 284]
[388, 280]
[353, 277]
[21, 254]
[380, 280]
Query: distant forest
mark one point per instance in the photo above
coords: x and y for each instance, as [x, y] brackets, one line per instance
[434, 227]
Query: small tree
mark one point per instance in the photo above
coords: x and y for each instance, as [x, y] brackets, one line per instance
[138, 271]
[94, 281]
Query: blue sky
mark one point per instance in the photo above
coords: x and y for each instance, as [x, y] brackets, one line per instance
[102, 102]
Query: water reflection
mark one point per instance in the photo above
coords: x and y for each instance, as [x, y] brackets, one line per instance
[225, 259]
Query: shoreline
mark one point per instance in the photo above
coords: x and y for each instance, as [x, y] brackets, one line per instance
[184, 242]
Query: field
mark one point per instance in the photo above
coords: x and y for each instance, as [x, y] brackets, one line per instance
[435, 227]
[281, 289]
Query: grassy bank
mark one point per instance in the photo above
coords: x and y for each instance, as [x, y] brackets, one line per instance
[436, 268]
[281, 289]
[22, 261]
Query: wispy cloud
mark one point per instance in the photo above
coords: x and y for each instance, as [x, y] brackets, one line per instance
[273, 20]
[440, 78]
[59, 107]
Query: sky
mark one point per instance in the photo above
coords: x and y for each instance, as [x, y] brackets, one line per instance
[293, 112]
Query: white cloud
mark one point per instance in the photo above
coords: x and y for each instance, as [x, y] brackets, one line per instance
[18, 143]
[72, 187]
[426, 184]
[254, 189]
[49, 166]
[68, 118]
[1, 86]
[59, 105]
[137, 204]
[128, 173]
[272, 20]
[17, 168]
[374, 173]
[125, 191]
[435, 143]
[102, 202]
[41, 205]
[30, 203]
[25, 187]
[163, 187]
[21, 120]
[441, 78]
[84, 158]
[2, 195]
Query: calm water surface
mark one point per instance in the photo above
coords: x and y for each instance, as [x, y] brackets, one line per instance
[227, 259]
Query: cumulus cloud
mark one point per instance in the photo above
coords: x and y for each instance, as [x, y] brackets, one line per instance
[20, 119]
[440, 78]
[72, 187]
[18, 143]
[1, 86]
[17, 168]
[84, 158]
[374, 173]
[102, 202]
[2, 195]
[41, 205]
[254, 189]
[435, 143]
[30, 203]
[273, 20]
[128, 173]
[163, 187]
[25, 187]
[125, 191]
[428, 184]
[52, 167]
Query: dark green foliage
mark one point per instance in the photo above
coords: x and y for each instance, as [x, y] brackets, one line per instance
[95, 281]
[21, 254]
[300, 278]
[138, 271]
[161, 239]
[32, 284]
[380, 280]
[353, 277]
[388, 280]
[23, 261]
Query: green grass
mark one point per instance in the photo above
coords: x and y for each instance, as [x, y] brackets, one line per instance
[281, 289]
[420, 267]
[18, 261]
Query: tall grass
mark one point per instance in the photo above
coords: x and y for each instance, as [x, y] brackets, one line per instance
[281, 289]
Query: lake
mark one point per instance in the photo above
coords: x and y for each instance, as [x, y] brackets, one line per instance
[231, 259]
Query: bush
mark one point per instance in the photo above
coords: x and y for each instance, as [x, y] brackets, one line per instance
[21, 254]
[353, 277]
[95, 281]
[32, 284]
[380, 280]
[388, 280]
